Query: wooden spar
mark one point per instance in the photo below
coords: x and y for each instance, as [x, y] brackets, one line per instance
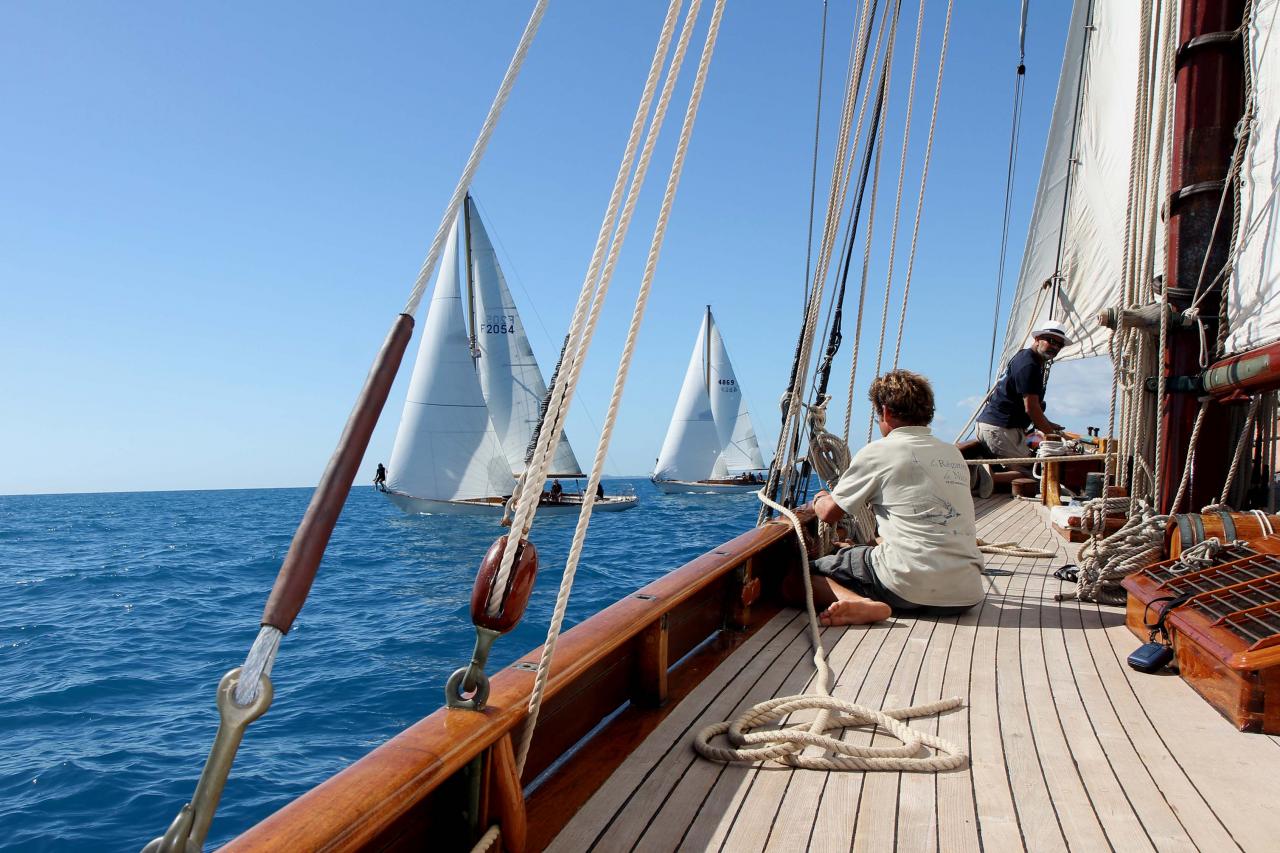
[706, 352]
[305, 552]
[471, 282]
[1209, 99]
[413, 786]
[1252, 372]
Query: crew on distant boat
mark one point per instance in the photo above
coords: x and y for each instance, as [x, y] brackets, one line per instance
[557, 492]
[927, 562]
[599, 491]
[380, 478]
[1017, 400]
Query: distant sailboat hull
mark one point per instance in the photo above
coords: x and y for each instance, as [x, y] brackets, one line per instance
[570, 503]
[680, 487]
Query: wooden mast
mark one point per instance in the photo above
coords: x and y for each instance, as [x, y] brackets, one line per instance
[1208, 102]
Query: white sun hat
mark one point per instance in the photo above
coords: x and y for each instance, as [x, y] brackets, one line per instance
[1051, 328]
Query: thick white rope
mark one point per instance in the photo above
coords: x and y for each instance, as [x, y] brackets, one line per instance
[477, 153]
[637, 317]
[924, 177]
[842, 164]
[1104, 562]
[786, 745]
[1012, 548]
[548, 438]
[262, 653]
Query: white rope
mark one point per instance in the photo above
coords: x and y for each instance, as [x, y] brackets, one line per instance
[487, 840]
[924, 177]
[477, 153]
[655, 248]
[1104, 562]
[1013, 549]
[785, 745]
[535, 473]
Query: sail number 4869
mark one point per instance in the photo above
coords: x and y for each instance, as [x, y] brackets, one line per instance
[499, 324]
[730, 385]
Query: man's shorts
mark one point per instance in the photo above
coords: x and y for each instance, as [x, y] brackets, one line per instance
[1003, 442]
[852, 568]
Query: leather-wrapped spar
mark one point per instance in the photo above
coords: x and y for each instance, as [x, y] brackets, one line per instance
[298, 570]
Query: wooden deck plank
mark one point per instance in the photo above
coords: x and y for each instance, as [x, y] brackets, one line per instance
[1236, 779]
[1068, 747]
[864, 682]
[719, 690]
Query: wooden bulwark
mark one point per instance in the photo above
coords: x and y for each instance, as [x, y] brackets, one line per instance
[419, 784]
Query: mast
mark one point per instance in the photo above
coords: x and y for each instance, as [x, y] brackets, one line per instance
[706, 352]
[1208, 102]
[471, 278]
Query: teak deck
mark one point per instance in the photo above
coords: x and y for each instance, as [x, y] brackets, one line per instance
[1068, 747]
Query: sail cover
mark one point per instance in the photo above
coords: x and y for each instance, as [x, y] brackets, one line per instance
[691, 451]
[509, 374]
[446, 449]
[1098, 82]
[741, 451]
[1253, 311]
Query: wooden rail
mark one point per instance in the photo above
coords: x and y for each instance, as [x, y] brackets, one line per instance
[441, 779]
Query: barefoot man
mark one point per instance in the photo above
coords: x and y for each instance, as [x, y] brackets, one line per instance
[927, 561]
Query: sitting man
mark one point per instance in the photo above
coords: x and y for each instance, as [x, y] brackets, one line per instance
[927, 561]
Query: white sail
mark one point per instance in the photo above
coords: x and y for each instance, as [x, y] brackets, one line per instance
[1253, 310]
[509, 374]
[1099, 85]
[741, 451]
[445, 448]
[691, 451]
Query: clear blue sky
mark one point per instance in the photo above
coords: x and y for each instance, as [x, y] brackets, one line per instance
[212, 213]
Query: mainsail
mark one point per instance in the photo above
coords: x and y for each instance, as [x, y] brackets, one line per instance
[1253, 310]
[1075, 243]
[710, 433]
[446, 448]
[509, 375]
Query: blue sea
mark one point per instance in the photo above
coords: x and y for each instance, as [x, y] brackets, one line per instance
[119, 613]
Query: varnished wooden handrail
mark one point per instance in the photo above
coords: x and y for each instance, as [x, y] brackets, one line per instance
[357, 806]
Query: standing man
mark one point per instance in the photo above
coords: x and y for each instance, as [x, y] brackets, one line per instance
[927, 562]
[380, 478]
[1017, 400]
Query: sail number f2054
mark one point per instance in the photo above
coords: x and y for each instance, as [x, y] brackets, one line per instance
[498, 324]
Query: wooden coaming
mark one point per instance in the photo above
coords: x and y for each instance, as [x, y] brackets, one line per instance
[418, 784]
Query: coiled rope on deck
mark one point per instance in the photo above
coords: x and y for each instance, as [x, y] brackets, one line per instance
[785, 745]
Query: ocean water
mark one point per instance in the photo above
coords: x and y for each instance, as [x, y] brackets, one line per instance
[119, 613]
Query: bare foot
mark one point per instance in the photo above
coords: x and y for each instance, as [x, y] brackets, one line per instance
[861, 611]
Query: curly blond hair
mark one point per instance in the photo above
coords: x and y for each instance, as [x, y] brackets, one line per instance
[907, 395]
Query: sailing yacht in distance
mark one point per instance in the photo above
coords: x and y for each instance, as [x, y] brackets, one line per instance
[710, 445]
[475, 398]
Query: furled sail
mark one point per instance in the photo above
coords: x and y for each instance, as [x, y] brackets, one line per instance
[509, 374]
[446, 448]
[729, 409]
[691, 451]
[1253, 310]
[1085, 173]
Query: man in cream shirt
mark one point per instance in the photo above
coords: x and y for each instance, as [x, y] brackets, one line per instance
[927, 561]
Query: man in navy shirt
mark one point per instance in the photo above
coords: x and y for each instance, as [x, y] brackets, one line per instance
[1017, 401]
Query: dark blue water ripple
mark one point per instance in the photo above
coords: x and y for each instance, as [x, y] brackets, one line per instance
[119, 613]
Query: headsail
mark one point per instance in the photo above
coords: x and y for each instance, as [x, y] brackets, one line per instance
[446, 448]
[1253, 310]
[1084, 247]
[509, 374]
[691, 451]
[741, 451]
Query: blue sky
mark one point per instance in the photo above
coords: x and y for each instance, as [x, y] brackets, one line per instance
[212, 214]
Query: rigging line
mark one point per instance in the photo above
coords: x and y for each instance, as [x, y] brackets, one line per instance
[780, 471]
[473, 161]
[1019, 85]
[924, 177]
[822, 376]
[655, 248]
[535, 474]
[1069, 183]
[813, 174]
[902, 175]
